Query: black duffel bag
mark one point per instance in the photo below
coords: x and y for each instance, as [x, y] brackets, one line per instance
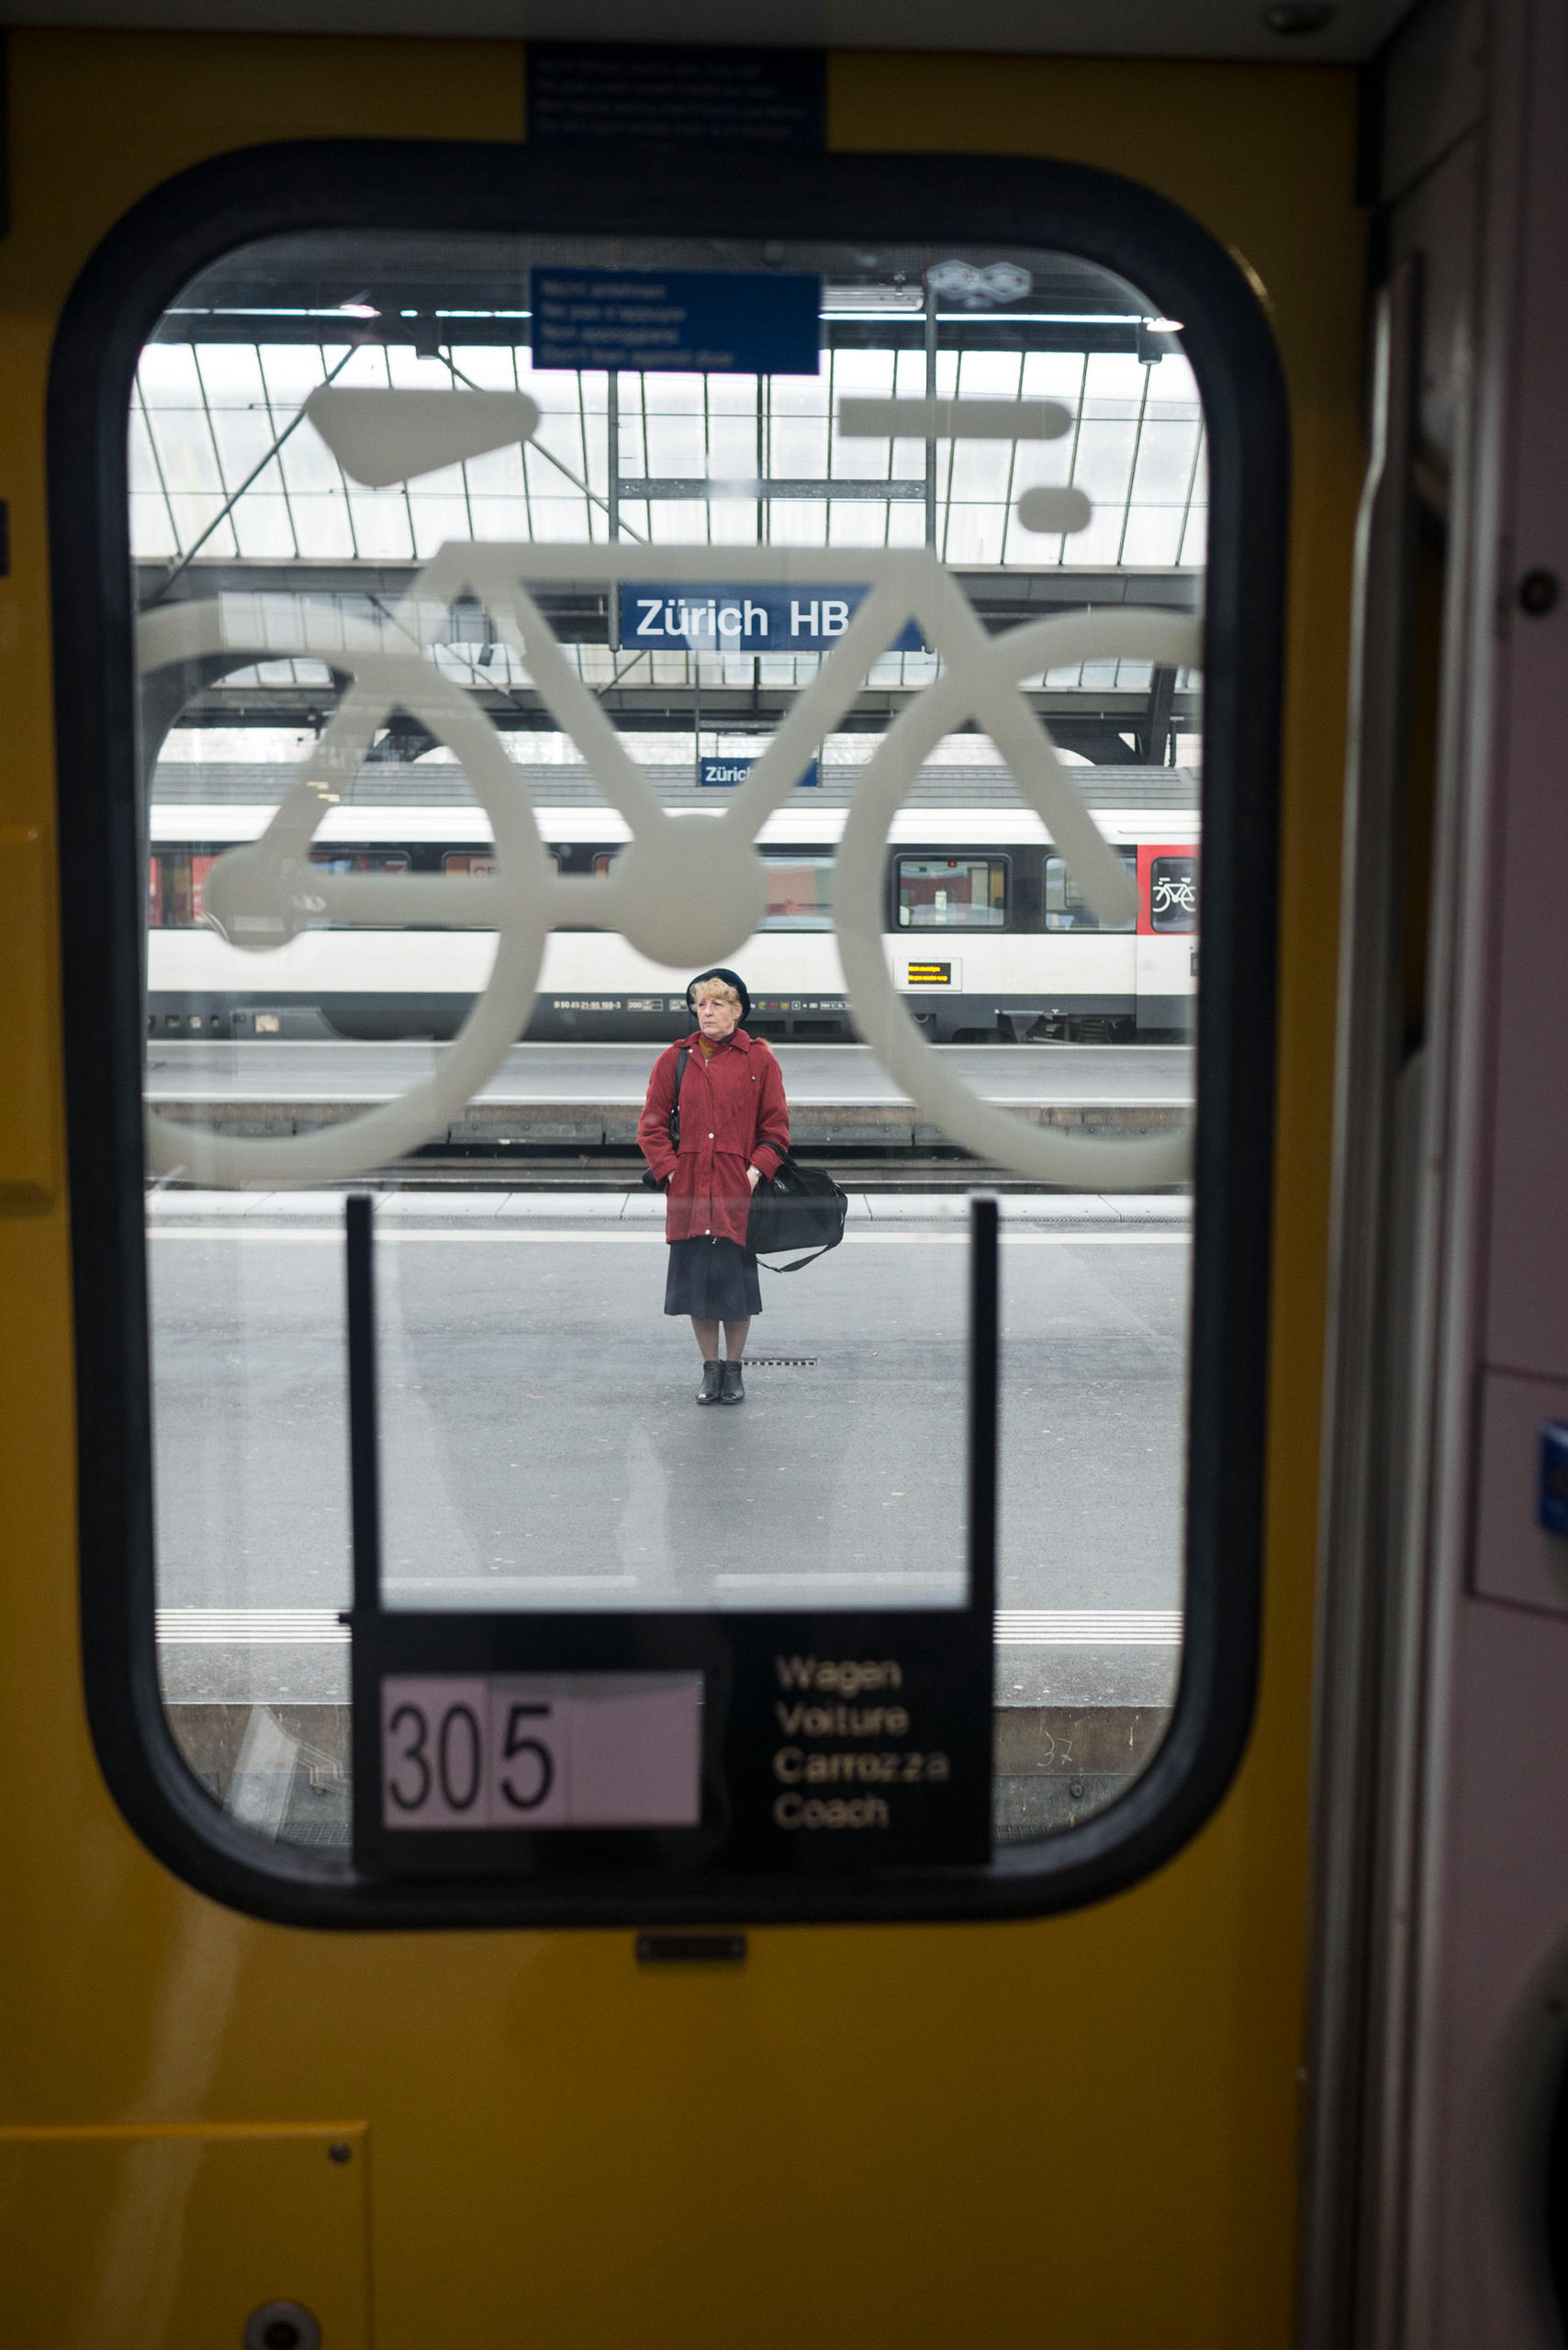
[799, 1207]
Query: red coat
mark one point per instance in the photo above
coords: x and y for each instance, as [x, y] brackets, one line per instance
[732, 1115]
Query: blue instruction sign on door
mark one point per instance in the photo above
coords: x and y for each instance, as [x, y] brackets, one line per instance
[745, 619]
[702, 321]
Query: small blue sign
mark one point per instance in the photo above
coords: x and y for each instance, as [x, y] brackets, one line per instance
[745, 619]
[1552, 1502]
[729, 771]
[585, 92]
[699, 321]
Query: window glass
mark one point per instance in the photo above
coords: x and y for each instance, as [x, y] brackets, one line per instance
[360, 860]
[1173, 893]
[1066, 906]
[537, 596]
[951, 893]
[799, 893]
[175, 884]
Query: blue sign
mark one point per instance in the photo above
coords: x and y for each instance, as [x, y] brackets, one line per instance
[702, 322]
[728, 771]
[589, 91]
[745, 619]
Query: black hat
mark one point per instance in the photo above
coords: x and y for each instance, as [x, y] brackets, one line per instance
[730, 980]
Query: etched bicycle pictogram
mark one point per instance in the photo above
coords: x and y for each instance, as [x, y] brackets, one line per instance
[689, 887]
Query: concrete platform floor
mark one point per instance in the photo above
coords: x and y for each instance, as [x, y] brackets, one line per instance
[836, 1075]
[541, 1446]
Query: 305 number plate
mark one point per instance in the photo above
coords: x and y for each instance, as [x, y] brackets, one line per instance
[549, 1750]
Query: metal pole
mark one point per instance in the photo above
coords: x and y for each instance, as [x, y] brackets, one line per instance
[612, 432]
[985, 1377]
[364, 1463]
[764, 517]
[930, 395]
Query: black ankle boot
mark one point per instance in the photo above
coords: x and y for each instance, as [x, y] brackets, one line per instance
[709, 1391]
[732, 1390]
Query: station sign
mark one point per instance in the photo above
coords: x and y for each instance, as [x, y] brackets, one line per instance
[721, 773]
[690, 322]
[671, 618]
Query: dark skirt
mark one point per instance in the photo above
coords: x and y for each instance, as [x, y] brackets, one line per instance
[715, 1280]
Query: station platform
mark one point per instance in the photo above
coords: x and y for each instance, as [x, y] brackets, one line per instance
[541, 1450]
[635, 1207]
[816, 1076]
[563, 1098]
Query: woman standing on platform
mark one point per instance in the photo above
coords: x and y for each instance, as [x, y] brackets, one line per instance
[734, 1128]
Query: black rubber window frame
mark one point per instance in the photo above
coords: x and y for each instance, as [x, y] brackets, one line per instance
[181, 229]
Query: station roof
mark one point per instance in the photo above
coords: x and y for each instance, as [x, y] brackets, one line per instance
[233, 492]
[207, 414]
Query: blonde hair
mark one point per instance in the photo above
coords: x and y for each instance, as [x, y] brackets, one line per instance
[704, 989]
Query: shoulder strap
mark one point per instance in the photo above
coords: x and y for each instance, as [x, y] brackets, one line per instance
[681, 1058]
[799, 1260]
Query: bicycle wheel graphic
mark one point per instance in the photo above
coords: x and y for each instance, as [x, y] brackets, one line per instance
[265, 894]
[1078, 1161]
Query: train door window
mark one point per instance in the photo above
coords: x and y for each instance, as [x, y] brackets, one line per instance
[799, 893]
[461, 486]
[1173, 893]
[355, 860]
[1066, 906]
[172, 885]
[951, 892]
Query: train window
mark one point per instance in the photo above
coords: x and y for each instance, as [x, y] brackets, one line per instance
[438, 1578]
[175, 883]
[799, 893]
[951, 892]
[1173, 893]
[360, 860]
[1066, 906]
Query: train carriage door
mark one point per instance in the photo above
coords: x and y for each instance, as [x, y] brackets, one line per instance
[700, 1852]
[1168, 937]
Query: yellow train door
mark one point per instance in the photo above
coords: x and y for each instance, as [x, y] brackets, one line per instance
[497, 1852]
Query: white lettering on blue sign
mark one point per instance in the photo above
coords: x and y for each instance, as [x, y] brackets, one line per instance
[747, 619]
[723, 772]
[709, 321]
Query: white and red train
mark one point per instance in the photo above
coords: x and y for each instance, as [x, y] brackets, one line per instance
[985, 933]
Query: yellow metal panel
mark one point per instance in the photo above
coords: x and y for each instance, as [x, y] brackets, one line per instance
[1076, 2131]
[169, 2239]
[29, 1080]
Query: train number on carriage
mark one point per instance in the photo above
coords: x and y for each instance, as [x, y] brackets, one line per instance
[613, 1750]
